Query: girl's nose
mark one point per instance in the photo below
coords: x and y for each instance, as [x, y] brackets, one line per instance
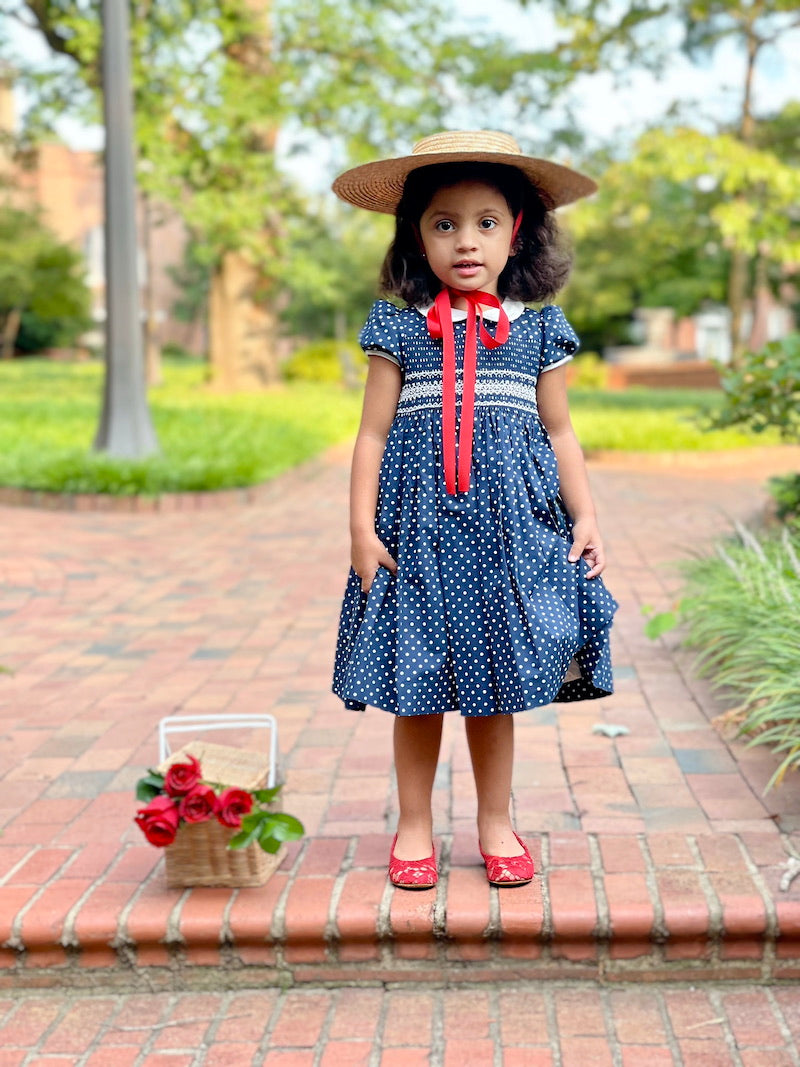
[467, 239]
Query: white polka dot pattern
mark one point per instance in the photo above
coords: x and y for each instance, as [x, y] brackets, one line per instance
[485, 615]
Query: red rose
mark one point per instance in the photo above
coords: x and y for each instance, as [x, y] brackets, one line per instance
[181, 778]
[232, 804]
[198, 805]
[159, 821]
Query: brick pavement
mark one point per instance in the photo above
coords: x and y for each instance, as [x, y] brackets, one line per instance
[495, 1025]
[658, 850]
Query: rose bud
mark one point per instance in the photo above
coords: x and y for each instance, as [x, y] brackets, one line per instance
[232, 804]
[181, 778]
[159, 821]
[199, 805]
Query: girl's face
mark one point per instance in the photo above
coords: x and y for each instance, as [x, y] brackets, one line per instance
[466, 232]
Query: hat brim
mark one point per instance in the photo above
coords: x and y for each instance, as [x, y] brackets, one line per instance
[379, 186]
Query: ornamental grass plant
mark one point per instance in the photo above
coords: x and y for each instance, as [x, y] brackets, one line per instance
[742, 614]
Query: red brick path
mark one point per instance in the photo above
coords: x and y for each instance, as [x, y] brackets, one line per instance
[658, 853]
[509, 1025]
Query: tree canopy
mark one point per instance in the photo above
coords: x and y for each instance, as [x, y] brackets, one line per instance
[41, 279]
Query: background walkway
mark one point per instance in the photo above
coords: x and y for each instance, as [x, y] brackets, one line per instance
[657, 849]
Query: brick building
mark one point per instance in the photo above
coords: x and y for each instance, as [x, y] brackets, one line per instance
[66, 184]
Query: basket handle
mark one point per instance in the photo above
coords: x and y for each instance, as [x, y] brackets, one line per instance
[183, 724]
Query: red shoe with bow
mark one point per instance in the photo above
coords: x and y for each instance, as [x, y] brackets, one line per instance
[509, 871]
[412, 874]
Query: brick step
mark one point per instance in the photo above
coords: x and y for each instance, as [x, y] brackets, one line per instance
[610, 907]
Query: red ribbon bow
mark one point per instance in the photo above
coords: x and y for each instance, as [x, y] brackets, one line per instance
[440, 324]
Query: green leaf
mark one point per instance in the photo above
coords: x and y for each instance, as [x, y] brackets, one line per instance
[145, 791]
[661, 624]
[149, 786]
[244, 838]
[269, 843]
[285, 827]
[266, 796]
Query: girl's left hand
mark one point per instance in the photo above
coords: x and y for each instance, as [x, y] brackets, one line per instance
[587, 543]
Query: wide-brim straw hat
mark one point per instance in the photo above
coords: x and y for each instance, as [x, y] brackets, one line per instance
[378, 186]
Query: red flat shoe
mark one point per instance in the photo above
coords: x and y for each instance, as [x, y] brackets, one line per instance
[412, 874]
[507, 872]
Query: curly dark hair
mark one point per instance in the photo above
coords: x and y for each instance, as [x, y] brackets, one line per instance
[537, 271]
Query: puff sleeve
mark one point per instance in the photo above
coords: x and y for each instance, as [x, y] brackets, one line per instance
[559, 340]
[380, 335]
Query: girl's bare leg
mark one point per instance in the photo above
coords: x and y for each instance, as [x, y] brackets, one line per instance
[491, 748]
[416, 753]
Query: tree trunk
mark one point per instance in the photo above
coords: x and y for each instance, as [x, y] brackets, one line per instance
[10, 332]
[242, 350]
[759, 328]
[740, 262]
[242, 322]
[154, 373]
[125, 430]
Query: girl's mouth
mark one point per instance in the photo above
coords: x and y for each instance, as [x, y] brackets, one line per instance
[466, 267]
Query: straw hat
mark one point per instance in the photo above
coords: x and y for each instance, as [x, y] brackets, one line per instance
[379, 186]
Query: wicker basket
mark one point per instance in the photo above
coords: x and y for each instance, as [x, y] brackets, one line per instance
[199, 854]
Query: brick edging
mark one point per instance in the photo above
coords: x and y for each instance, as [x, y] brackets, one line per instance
[329, 916]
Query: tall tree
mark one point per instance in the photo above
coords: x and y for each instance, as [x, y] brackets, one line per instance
[215, 83]
[41, 277]
[667, 222]
[604, 35]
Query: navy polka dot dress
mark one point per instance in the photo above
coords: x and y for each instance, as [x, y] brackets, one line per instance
[485, 615]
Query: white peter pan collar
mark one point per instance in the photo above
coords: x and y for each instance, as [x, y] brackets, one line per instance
[512, 308]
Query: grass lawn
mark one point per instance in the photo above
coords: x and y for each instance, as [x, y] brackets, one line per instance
[49, 414]
[654, 420]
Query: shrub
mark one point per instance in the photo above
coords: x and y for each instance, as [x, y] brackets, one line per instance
[764, 390]
[743, 615]
[785, 491]
[587, 371]
[321, 361]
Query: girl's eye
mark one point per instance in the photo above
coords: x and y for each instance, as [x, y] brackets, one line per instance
[488, 224]
[444, 226]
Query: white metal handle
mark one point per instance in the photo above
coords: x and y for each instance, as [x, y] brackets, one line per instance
[183, 724]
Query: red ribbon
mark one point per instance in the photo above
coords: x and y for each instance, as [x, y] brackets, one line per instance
[440, 324]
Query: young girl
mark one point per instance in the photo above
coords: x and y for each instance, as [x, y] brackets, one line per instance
[472, 587]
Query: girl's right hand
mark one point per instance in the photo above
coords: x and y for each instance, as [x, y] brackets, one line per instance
[367, 554]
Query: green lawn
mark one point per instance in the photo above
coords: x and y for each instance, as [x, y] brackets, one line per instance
[49, 414]
[654, 420]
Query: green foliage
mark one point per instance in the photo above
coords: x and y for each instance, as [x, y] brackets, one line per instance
[641, 241]
[48, 415]
[268, 829]
[149, 786]
[588, 371]
[763, 392]
[652, 420]
[42, 278]
[785, 491]
[743, 616]
[215, 81]
[172, 350]
[754, 190]
[332, 268]
[660, 622]
[322, 361]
